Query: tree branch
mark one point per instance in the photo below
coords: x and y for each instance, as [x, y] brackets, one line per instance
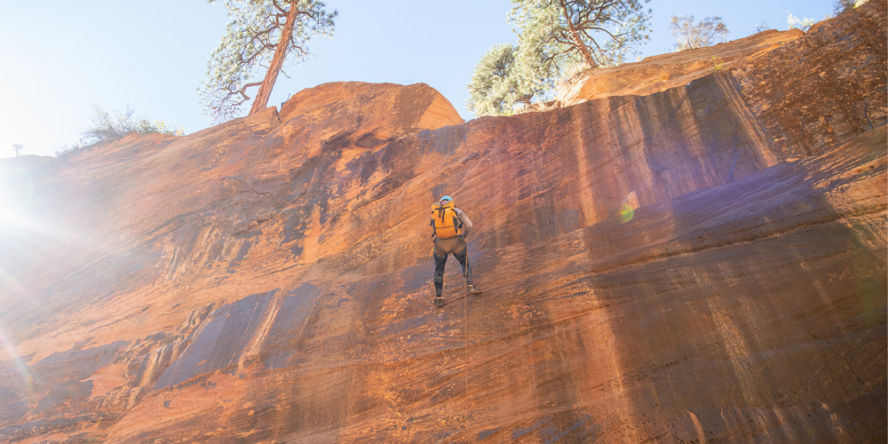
[243, 90]
[278, 7]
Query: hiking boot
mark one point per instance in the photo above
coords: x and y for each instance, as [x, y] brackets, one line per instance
[439, 302]
[473, 289]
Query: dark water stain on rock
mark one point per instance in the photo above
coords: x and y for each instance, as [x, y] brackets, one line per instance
[221, 342]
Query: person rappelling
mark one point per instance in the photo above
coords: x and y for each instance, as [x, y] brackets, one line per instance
[450, 228]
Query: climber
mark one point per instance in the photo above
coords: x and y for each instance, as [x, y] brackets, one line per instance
[450, 227]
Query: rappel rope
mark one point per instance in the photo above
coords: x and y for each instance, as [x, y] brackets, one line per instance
[466, 327]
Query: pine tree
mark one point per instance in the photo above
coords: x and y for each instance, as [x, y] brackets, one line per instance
[591, 33]
[556, 39]
[261, 33]
[497, 84]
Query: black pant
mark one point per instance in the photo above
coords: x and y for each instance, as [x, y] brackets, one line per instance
[440, 261]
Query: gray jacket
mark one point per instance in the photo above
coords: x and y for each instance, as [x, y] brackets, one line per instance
[466, 223]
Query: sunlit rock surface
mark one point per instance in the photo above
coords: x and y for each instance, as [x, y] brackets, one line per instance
[706, 263]
[665, 71]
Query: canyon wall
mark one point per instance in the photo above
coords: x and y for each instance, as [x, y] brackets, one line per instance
[701, 262]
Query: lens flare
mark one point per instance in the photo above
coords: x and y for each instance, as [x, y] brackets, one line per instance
[626, 212]
[627, 207]
[20, 368]
[16, 189]
[16, 193]
[20, 222]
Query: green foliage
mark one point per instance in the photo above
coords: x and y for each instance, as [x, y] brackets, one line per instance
[66, 151]
[17, 147]
[717, 63]
[556, 39]
[109, 127]
[106, 127]
[497, 84]
[840, 6]
[580, 32]
[709, 31]
[803, 24]
[250, 41]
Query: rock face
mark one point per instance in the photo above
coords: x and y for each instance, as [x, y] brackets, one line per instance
[666, 71]
[705, 263]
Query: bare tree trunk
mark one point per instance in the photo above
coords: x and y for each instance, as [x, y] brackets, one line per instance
[280, 53]
[575, 36]
[584, 50]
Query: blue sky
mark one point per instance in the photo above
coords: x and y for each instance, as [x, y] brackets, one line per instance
[59, 57]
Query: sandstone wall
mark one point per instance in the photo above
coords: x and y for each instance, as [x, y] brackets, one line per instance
[705, 263]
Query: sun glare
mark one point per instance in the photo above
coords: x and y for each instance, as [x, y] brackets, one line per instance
[16, 192]
[13, 356]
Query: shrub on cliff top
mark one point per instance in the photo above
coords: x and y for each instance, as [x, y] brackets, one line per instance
[709, 31]
[840, 6]
[106, 127]
[798, 23]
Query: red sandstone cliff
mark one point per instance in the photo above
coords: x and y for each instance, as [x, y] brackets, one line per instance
[702, 263]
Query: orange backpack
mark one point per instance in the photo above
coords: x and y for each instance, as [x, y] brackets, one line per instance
[445, 221]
